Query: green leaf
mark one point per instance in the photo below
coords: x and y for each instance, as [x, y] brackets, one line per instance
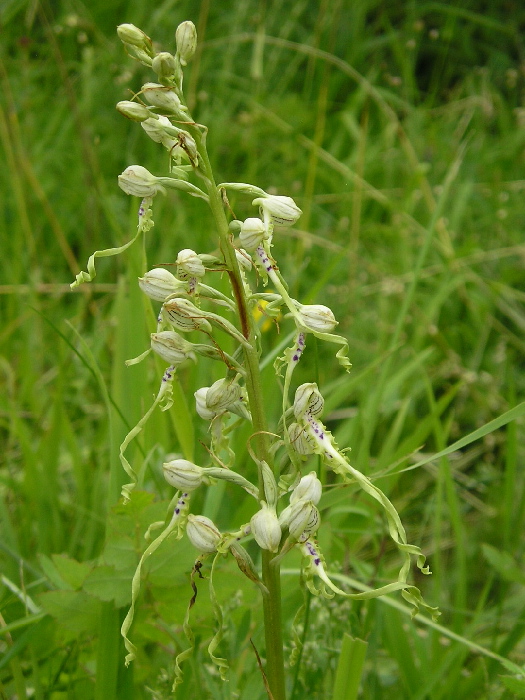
[138, 513]
[63, 572]
[515, 685]
[125, 521]
[72, 572]
[75, 610]
[119, 552]
[50, 570]
[349, 668]
[108, 584]
[9, 9]
[503, 563]
[132, 509]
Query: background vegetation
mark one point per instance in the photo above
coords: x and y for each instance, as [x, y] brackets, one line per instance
[399, 128]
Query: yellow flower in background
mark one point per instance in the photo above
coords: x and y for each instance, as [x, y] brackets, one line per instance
[264, 320]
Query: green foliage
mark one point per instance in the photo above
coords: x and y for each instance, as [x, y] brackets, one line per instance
[398, 129]
[349, 668]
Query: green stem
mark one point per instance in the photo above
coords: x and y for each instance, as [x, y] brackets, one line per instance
[270, 574]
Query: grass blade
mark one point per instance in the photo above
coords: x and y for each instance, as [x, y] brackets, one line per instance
[349, 668]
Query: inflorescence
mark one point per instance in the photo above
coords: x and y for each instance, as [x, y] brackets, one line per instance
[189, 305]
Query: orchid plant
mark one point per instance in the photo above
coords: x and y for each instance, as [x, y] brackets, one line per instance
[288, 489]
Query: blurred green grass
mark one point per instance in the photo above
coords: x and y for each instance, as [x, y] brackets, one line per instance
[400, 132]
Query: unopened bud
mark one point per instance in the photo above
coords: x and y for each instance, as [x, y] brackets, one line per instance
[183, 475]
[222, 394]
[220, 397]
[266, 529]
[253, 233]
[300, 517]
[185, 316]
[235, 227]
[171, 347]
[308, 489]
[139, 182]
[189, 265]
[186, 40]
[202, 533]
[281, 210]
[135, 111]
[164, 65]
[158, 284]
[132, 35]
[308, 399]
[162, 97]
[316, 317]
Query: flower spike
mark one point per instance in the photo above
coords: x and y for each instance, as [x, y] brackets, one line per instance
[242, 255]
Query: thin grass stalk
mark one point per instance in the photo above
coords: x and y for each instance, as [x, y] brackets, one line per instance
[108, 649]
[372, 407]
[11, 146]
[349, 668]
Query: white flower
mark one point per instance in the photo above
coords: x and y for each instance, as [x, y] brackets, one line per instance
[201, 405]
[316, 317]
[299, 439]
[159, 283]
[139, 182]
[222, 394]
[183, 315]
[202, 533]
[183, 475]
[301, 518]
[156, 129]
[189, 265]
[308, 400]
[253, 233]
[308, 489]
[171, 347]
[163, 97]
[266, 529]
[281, 210]
[244, 260]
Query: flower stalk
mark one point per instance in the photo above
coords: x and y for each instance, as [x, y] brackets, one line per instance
[270, 574]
